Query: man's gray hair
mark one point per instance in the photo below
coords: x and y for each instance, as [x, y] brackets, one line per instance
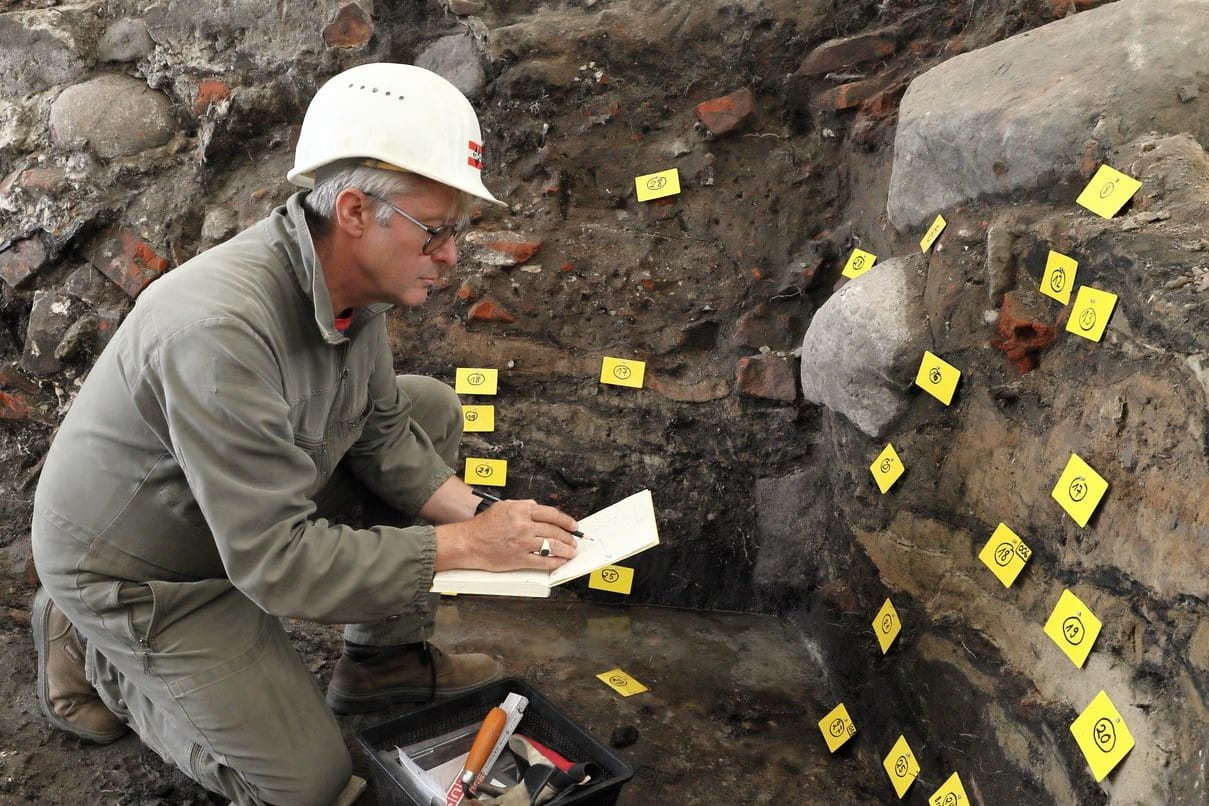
[376, 183]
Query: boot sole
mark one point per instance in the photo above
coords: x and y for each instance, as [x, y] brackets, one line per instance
[39, 617]
[343, 702]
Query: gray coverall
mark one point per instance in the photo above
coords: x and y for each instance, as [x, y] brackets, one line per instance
[175, 519]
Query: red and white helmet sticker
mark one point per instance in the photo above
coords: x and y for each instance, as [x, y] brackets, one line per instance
[475, 160]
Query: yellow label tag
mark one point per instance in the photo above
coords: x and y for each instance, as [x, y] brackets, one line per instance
[657, 185]
[488, 472]
[1091, 312]
[1005, 554]
[476, 381]
[478, 418]
[1073, 627]
[858, 263]
[1059, 276]
[951, 793]
[933, 233]
[901, 766]
[886, 626]
[1108, 191]
[621, 682]
[613, 578]
[620, 372]
[937, 377]
[886, 468]
[837, 727]
[1079, 490]
[1102, 735]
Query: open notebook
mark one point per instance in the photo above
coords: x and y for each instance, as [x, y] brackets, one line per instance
[616, 532]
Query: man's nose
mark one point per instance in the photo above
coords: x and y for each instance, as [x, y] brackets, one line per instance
[448, 253]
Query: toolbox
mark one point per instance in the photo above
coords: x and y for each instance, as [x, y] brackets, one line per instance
[457, 720]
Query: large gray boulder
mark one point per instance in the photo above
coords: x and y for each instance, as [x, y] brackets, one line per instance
[1020, 113]
[863, 347]
[117, 116]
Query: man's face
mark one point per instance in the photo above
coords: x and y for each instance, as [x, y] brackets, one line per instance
[393, 266]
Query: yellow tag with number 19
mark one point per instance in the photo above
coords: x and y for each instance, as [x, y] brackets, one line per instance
[1073, 627]
[478, 418]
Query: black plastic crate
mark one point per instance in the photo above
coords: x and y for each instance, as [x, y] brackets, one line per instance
[542, 720]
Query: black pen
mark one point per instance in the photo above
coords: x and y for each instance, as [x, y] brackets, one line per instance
[489, 499]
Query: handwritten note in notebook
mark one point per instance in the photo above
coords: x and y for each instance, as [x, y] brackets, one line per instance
[610, 535]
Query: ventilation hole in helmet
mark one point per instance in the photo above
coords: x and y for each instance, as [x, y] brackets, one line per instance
[374, 90]
[388, 93]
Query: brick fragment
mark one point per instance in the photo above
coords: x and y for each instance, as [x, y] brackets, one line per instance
[351, 27]
[22, 260]
[852, 94]
[488, 310]
[1022, 340]
[838, 54]
[768, 376]
[503, 249]
[129, 261]
[14, 406]
[210, 92]
[721, 115]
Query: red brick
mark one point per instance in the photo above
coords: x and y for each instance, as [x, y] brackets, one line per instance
[504, 249]
[210, 92]
[487, 310]
[14, 406]
[840, 53]
[21, 260]
[351, 27]
[721, 115]
[129, 261]
[466, 292]
[852, 94]
[1021, 340]
[768, 376]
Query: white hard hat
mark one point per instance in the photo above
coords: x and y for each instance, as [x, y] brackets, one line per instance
[399, 114]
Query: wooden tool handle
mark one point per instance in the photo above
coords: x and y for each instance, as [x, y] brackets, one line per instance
[488, 733]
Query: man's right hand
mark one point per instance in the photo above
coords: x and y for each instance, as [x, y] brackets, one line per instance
[507, 536]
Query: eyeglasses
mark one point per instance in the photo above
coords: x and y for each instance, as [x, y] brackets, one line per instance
[437, 236]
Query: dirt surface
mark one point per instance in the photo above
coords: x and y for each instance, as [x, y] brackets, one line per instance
[729, 715]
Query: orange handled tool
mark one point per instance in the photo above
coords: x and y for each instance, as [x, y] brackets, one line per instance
[484, 741]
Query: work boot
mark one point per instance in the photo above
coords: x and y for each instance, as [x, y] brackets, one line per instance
[368, 678]
[65, 697]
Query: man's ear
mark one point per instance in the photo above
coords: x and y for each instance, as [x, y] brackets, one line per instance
[353, 212]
